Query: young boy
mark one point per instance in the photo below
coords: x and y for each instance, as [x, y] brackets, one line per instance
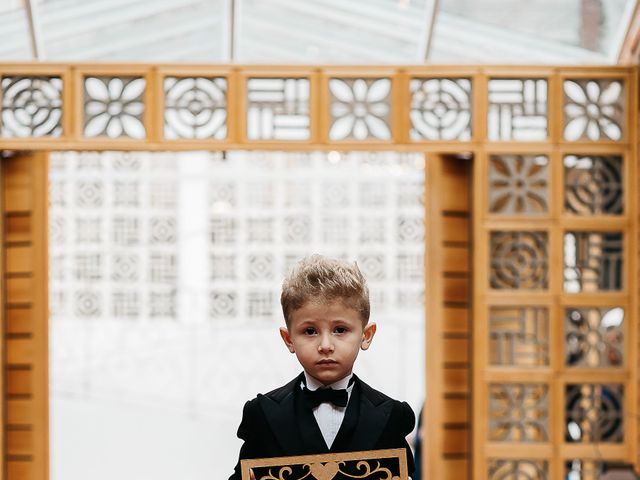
[326, 408]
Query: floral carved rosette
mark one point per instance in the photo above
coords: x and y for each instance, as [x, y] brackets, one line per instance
[594, 109]
[360, 109]
[114, 107]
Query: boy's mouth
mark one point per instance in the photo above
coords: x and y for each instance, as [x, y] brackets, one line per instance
[327, 362]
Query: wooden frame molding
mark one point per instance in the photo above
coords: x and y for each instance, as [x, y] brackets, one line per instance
[458, 226]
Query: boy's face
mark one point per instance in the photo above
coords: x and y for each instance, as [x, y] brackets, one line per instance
[326, 338]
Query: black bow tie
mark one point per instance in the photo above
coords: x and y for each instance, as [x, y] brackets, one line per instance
[315, 397]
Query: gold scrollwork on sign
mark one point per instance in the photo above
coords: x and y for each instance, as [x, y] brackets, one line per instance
[370, 465]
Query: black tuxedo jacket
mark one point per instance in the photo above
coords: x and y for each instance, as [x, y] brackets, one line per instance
[279, 424]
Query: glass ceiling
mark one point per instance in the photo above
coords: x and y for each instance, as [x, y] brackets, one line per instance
[317, 31]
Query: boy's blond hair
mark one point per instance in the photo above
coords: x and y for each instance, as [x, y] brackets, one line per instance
[320, 279]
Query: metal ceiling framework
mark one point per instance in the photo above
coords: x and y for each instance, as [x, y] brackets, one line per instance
[330, 31]
[31, 9]
[431, 14]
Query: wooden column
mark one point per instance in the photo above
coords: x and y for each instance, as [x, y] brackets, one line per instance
[447, 419]
[25, 317]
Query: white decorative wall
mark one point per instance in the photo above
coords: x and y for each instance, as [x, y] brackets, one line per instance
[165, 277]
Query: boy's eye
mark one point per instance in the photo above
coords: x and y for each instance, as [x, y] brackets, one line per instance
[340, 330]
[309, 331]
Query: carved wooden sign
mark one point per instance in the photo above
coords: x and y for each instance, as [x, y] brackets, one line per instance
[370, 465]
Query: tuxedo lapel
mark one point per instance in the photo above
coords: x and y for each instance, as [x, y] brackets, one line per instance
[374, 414]
[288, 416]
[278, 410]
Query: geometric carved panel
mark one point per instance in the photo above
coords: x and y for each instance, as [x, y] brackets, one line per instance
[594, 109]
[518, 412]
[31, 106]
[518, 260]
[195, 107]
[518, 184]
[440, 109]
[594, 337]
[517, 109]
[593, 261]
[518, 470]
[594, 413]
[278, 108]
[360, 108]
[583, 469]
[114, 107]
[593, 184]
[519, 336]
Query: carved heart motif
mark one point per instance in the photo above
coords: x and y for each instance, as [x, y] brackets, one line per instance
[324, 472]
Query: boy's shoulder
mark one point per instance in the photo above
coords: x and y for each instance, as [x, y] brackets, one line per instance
[375, 396]
[280, 393]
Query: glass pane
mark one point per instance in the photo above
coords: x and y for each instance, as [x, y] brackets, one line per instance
[519, 336]
[519, 260]
[518, 412]
[518, 184]
[593, 261]
[15, 43]
[594, 413]
[567, 32]
[329, 31]
[140, 31]
[593, 185]
[594, 337]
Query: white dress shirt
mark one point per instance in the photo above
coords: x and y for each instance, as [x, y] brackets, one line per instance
[328, 416]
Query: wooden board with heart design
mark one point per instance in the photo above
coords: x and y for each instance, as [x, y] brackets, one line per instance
[388, 464]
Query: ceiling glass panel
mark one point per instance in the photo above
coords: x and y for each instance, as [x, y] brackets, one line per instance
[330, 31]
[14, 32]
[529, 31]
[134, 30]
[319, 31]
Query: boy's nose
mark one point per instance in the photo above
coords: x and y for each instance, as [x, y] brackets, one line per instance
[326, 345]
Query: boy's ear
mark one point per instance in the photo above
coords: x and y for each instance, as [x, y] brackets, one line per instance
[286, 338]
[367, 335]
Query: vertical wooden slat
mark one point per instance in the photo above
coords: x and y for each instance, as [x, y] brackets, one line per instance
[25, 439]
[447, 417]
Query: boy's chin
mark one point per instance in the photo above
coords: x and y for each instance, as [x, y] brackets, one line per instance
[327, 378]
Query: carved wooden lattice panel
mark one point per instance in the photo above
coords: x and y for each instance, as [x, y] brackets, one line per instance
[557, 228]
[554, 201]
